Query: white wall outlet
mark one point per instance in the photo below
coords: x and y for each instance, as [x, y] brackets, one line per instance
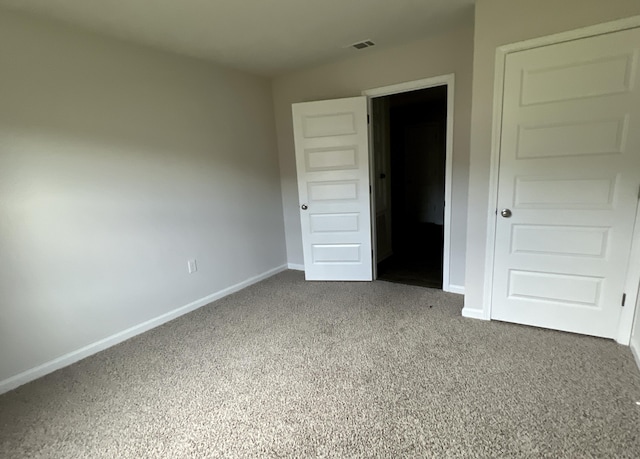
[192, 267]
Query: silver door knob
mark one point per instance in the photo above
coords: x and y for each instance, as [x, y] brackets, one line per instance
[506, 213]
[304, 207]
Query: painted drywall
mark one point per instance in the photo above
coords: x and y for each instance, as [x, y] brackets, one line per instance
[500, 22]
[450, 52]
[119, 163]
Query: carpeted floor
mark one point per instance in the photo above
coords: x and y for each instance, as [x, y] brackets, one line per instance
[293, 369]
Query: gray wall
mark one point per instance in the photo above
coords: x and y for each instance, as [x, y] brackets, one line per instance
[450, 52]
[117, 164]
[500, 22]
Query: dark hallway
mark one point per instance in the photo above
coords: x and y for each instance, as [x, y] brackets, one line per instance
[415, 186]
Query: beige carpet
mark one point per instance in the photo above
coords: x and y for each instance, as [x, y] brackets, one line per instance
[294, 369]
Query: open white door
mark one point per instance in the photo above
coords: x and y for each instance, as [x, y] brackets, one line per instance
[568, 183]
[332, 159]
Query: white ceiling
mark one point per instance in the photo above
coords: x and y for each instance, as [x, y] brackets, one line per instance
[262, 36]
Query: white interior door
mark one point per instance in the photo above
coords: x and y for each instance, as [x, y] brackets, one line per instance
[569, 176]
[332, 159]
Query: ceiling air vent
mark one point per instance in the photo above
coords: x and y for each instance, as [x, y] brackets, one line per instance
[363, 44]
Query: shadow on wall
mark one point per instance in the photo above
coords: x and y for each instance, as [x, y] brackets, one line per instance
[118, 164]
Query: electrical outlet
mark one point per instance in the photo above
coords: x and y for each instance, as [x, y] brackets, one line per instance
[192, 267]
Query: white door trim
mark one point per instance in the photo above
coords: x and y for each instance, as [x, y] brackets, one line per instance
[633, 274]
[442, 80]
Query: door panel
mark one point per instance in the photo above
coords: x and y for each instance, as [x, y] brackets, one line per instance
[570, 174]
[332, 159]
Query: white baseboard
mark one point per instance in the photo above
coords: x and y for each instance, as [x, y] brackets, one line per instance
[459, 289]
[474, 314]
[295, 267]
[635, 350]
[79, 354]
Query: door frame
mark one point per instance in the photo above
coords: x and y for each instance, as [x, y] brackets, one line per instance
[633, 269]
[425, 83]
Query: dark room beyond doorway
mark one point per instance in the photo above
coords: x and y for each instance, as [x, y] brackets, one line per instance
[409, 135]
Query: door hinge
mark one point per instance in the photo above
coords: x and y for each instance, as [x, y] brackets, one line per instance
[624, 298]
[368, 119]
[639, 193]
[369, 189]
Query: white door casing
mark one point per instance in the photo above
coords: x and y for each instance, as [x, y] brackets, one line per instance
[569, 171]
[332, 160]
[442, 80]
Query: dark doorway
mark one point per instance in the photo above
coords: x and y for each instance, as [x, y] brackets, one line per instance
[410, 160]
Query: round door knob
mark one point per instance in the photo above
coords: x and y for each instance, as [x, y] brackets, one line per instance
[304, 207]
[506, 213]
